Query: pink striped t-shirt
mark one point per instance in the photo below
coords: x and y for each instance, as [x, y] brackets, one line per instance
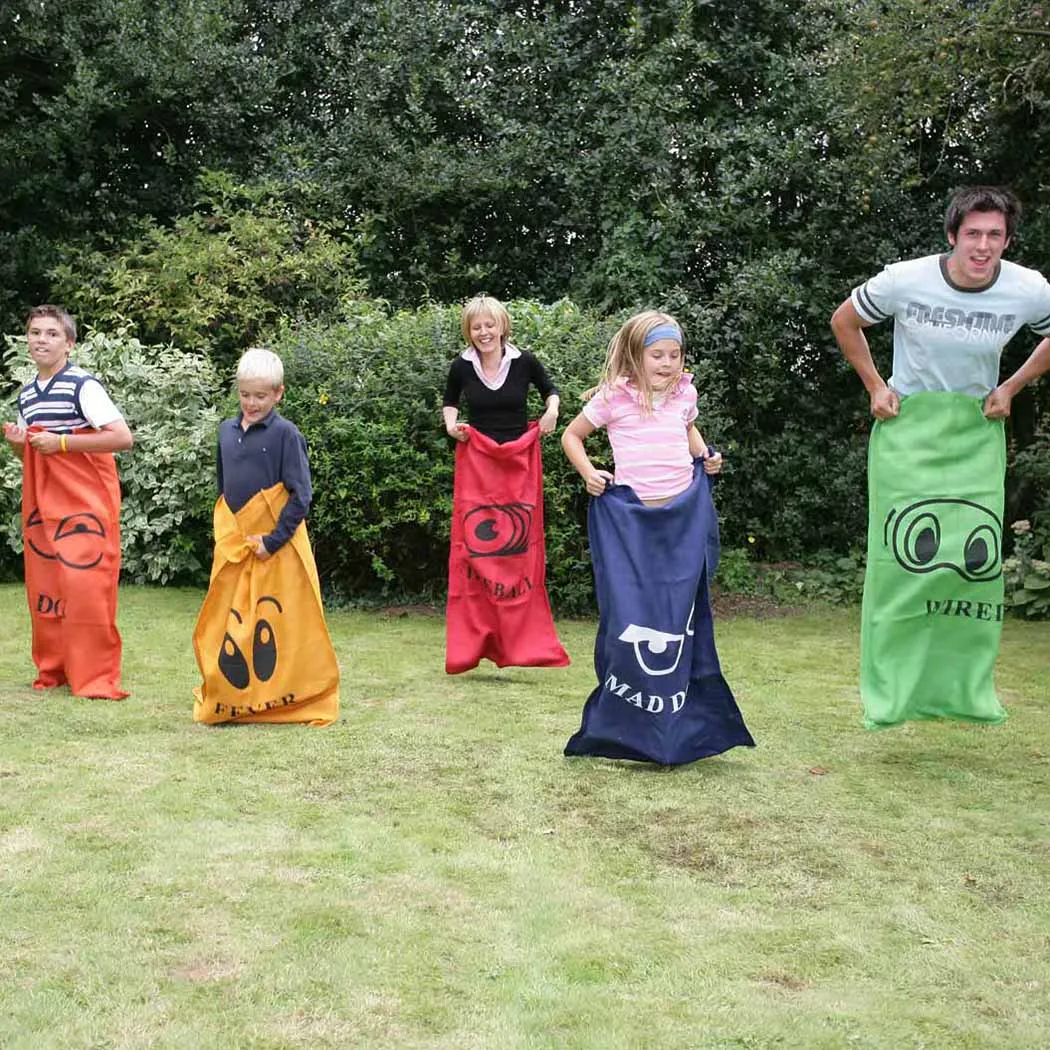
[650, 452]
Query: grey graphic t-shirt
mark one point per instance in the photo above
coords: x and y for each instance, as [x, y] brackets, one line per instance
[946, 337]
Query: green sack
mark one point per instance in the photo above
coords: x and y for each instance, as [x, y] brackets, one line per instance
[933, 590]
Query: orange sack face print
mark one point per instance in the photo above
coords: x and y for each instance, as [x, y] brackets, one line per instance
[71, 532]
[261, 641]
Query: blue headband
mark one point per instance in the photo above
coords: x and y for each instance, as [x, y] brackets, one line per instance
[662, 331]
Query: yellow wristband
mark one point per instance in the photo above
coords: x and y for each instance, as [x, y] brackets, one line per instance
[62, 443]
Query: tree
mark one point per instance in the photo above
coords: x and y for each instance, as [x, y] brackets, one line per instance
[108, 110]
[227, 275]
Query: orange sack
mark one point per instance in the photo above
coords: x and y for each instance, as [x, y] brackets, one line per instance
[71, 531]
[261, 641]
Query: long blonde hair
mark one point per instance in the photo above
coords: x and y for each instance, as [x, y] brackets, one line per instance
[623, 359]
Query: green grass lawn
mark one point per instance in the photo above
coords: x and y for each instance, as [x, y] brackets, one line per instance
[431, 872]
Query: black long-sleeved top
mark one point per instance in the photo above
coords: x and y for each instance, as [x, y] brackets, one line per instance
[498, 414]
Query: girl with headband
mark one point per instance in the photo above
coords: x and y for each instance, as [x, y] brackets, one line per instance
[648, 406]
[653, 532]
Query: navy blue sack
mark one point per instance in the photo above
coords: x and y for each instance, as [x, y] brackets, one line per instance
[661, 696]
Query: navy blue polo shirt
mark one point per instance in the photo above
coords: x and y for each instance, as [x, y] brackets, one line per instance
[251, 460]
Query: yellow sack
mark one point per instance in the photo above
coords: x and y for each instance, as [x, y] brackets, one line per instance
[261, 641]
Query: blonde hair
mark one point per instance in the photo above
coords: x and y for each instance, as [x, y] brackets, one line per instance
[623, 359]
[485, 304]
[260, 363]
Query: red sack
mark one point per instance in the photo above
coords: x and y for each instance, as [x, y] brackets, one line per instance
[71, 531]
[497, 595]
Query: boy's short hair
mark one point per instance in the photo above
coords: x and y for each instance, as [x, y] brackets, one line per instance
[63, 317]
[485, 304]
[260, 363]
[982, 198]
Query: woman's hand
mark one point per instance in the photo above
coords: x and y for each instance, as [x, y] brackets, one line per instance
[458, 431]
[549, 420]
[713, 463]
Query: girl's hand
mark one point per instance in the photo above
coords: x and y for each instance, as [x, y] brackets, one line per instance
[548, 421]
[713, 463]
[458, 431]
[597, 481]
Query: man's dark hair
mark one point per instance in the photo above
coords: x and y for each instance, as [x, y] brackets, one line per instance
[982, 198]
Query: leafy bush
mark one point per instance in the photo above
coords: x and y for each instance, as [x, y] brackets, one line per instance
[1027, 578]
[242, 265]
[1032, 468]
[795, 429]
[736, 573]
[825, 577]
[831, 577]
[167, 479]
[367, 396]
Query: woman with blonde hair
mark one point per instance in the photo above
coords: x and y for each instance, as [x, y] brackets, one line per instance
[497, 597]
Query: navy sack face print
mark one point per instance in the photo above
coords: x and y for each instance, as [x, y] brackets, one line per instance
[660, 695]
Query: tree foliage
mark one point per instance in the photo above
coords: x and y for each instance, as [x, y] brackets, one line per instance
[228, 275]
[108, 111]
[743, 165]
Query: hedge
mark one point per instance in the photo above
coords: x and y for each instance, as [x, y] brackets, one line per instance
[367, 395]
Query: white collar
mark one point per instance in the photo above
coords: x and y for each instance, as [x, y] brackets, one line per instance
[510, 352]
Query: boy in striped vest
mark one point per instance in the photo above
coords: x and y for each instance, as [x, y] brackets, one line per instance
[66, 434]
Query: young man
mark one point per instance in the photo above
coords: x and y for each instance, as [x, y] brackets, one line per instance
[261, 640]
[933, 595]
[66, 432]
[952, 313]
